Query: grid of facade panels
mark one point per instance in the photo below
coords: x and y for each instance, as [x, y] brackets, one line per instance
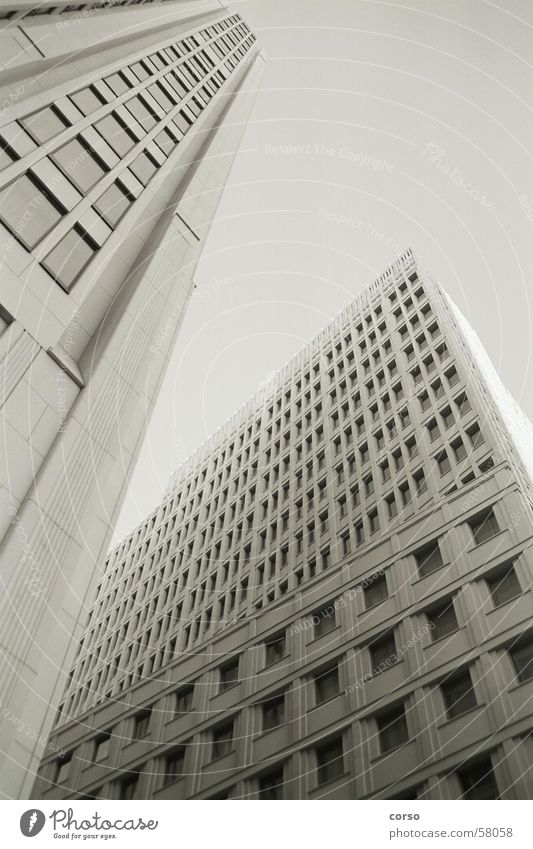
[71, 170]
[333, 600]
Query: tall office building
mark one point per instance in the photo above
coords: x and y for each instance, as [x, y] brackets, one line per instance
[118, 127]
[333, 600]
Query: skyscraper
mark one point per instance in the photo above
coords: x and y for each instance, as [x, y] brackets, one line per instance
[118, 127]
[333, 598]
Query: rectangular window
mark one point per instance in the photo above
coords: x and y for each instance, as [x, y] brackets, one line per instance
[392, 729]
[275, 649]
[484, 526]
[273, 713]
[327, 684]
[141, 724]
[477, 781]
[324, 621]
[429, 559]
[373, 521]
[458, 694]
[444, 464]
[229, 675]
[63, 765]
[70, 256]
[222, 740]
[476, 437]
[87, 100]
[128, 786]
[28, 210]
[420, 482]
[271, 785]
[433, 430]
[459, 450]
[101, 746]
[118, 83]
[522, 658]
[113, 203]
[184, 700]
[45, 124]
[383, 653]
[375, 590]
[330, 761]
[504, 585]
[144, 167]
[442, 620]
[174, 765]
[141, 113]
[116, 134]
[166, 142]
[78, 163]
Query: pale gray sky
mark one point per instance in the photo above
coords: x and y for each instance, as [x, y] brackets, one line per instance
[379, 125]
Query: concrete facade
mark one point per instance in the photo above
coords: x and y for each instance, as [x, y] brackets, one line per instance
[333, 600]
[117, 132]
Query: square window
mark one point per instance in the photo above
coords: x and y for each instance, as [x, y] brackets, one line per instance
[16, 201]
[429, 559]
[504, 585]
[442, 620]
[459, 450]
[484, 526]
[67, 260]
[113, 203]
[115, 133]
[44, 125]
[143, 167]
[139, 109]
[458, 694]
[118, 83]
[87, 100]
[79, 164]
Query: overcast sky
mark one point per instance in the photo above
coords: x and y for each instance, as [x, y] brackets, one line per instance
[379, 125]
